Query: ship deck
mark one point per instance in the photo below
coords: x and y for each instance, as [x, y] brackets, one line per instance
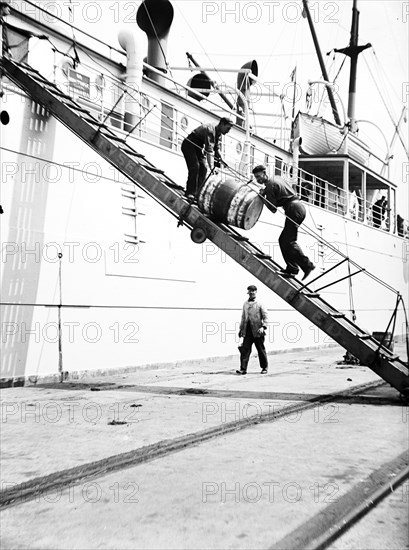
[192, 455]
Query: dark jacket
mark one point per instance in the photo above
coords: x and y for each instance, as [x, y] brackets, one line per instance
[207, 138]
[278, 193]
[256, 313]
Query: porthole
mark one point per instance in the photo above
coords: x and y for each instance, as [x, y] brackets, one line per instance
[184, 123]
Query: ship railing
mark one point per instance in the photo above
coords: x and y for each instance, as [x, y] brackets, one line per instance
[152, 120]
[91, 44]
[63, 27]
[328, 196]
[156, 120]
[321, 193]
[373, 216]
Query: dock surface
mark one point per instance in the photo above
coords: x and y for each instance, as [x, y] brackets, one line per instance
[191, 456]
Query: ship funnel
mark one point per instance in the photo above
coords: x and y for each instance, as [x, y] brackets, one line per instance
[201, 82]
[244, 81]
[129, 42]
[155, 17]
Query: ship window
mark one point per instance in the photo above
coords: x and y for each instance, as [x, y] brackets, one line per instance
[356, 192]
[252, 151]
[278, 168]
[184, 123]
[146, 104]
[378, 202]
[167, 126]
[131, 205]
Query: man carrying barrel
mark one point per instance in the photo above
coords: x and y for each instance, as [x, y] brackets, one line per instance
[277, 192]
[201, 150]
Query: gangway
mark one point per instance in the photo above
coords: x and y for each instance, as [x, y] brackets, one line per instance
[156, 184]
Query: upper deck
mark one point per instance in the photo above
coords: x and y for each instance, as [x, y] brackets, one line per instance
[163, 114]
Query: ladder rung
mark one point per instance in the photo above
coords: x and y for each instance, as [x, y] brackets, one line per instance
[76, 107]
[39, 78]
[115, 138]
[94, 121]
[364, 336]
[97, 125]
[135, 154]
[263, 256]
[173, 185]
[337, 315]
[311, 294]
[240, 238]
[153, 169]
[27, 68]
[56, 91]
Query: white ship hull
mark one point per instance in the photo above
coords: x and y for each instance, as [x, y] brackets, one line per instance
[165, 300]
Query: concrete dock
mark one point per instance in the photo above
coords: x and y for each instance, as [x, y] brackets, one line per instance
[196, 456]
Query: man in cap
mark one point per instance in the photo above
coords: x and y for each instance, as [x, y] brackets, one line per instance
[201, 150]
[253, 328]
[278, 192]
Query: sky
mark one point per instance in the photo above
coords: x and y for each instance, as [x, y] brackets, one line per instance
[274, 33]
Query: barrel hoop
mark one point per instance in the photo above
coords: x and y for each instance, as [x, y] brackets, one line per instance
[206, 194]
[237, 206]
[221, 207]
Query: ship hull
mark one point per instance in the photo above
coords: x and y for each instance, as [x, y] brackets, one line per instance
[98, 276]
[111, 303]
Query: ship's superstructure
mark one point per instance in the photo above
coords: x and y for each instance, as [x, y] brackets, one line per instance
[96, 275]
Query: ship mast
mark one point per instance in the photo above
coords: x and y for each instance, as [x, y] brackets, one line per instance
[321, 62]
[352, 51]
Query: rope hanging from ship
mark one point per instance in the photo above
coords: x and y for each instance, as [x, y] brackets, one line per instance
[395, 124]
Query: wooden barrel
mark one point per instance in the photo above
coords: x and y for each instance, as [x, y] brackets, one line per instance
[230, 202]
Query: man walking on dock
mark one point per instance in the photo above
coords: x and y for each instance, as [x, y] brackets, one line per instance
[253, 328]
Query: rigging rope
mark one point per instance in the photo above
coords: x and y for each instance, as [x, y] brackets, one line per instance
[396, 126]
[54, 16]
[206, 55]
[76, 59]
